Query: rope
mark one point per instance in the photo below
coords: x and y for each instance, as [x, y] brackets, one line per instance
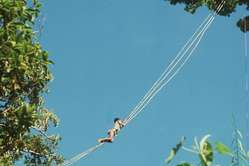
[165, 73]
[164, 79]
[144, 102]
[167, 81]
[151, 90]
[154, 92]
[82, 155]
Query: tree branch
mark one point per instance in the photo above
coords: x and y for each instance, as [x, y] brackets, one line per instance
[33, 152]
[2, 125]
[41, 132]
[5, 111]
[36, 153]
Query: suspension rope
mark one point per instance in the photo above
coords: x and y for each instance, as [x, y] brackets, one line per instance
[165, 83]
[81, 155]
[174, 61]
[169, 73]
[161, 84]
[168, 70]
[145, 101]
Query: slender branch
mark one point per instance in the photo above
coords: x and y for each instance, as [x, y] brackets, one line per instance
[42, 132]
[6, 110]
[36, 153]
[189, 150]
[2, 125]
[33, 152]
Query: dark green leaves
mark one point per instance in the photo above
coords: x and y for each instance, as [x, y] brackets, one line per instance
[228, 8]
[174, 151]
[206, 152]
[243, 24]
[184, 164]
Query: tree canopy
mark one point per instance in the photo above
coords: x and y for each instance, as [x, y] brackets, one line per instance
[228, 8]
[24, 78]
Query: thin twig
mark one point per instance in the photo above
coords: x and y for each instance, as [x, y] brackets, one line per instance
[36, 153]
[3, 125]
[33, 152]
[189, 150]
[6, 110]
[42, 132]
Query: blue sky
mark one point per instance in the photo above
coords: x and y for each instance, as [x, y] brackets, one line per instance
[108, 53]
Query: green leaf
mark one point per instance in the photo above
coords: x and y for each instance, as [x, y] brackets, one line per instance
[203, 140]
[184, 164]
[174, 150]
[170, 156]
[222, 148]
[206, 151]
[13, 43]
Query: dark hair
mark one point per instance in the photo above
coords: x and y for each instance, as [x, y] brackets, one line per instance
[116, 119]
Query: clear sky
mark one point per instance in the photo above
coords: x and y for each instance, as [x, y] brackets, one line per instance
[108, 53]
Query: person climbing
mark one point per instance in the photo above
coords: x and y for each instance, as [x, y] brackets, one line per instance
[118, 124]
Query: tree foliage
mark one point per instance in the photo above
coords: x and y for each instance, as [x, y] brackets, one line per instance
[24, 76]
[228, 8]
[205, 151]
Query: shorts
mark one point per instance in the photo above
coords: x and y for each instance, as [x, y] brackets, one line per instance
[115, 132]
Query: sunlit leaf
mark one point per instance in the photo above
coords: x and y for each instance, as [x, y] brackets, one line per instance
[206, 151]
[222, 148]
[184, 164]
[174, 150]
